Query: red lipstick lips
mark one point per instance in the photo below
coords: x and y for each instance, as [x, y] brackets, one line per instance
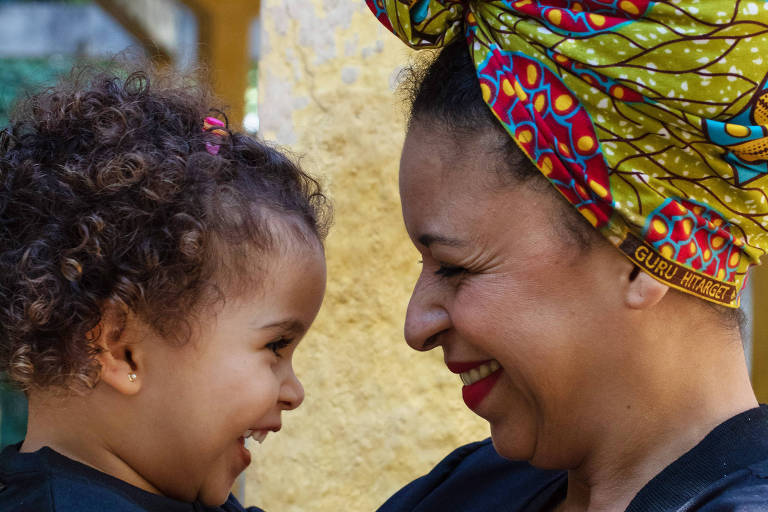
[474, 393]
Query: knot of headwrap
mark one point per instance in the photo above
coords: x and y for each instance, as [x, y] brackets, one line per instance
[651, 118]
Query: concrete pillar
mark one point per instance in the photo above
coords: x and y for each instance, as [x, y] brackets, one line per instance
[376, 414]
[224, 31]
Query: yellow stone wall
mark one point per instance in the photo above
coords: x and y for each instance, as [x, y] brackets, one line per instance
[377, 414]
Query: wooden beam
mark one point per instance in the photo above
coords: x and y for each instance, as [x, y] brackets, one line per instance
[135, 26]
[759, 278]
[224, 34]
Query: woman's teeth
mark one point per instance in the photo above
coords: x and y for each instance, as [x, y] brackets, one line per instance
[479, 372]
[256, 435]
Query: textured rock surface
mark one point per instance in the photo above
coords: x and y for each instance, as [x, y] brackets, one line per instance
[377, 414]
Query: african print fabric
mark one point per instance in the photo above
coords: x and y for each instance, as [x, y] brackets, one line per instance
[651, 118]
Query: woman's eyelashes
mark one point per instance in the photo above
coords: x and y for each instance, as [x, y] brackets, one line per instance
[445, 270]
[449, 270]
[278, 345]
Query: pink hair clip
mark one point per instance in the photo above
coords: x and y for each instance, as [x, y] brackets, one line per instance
[216, 127]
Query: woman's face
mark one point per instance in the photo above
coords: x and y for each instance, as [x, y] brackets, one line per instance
[517, 307]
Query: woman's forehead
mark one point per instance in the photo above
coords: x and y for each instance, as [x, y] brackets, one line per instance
[433, 155]
[432, 183]
[457, 195]
[440, 200]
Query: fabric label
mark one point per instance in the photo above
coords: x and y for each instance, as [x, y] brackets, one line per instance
[676, 275]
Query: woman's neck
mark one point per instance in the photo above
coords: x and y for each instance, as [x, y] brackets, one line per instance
[642, 438]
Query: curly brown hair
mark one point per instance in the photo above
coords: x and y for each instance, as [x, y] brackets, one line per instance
[107, 193]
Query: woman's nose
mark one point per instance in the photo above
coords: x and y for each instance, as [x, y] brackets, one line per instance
[291, 392]
[426, 317]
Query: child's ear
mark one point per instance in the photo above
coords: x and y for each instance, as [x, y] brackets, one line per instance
[119, 358]
[643, 291]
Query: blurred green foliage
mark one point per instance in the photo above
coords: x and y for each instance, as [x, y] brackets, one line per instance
[17, 76]
[46, 1]
[13, 416]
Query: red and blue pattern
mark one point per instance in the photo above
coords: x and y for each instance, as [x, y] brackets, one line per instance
[551, 126]
[696, 235]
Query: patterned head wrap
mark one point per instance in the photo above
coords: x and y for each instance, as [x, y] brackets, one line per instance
[651, 118]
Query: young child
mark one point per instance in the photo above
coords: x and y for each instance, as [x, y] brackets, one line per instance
[157, 272]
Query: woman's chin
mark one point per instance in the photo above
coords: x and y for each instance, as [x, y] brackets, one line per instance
[513, 443]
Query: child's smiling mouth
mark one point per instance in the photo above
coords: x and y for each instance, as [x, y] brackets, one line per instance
[257, 434]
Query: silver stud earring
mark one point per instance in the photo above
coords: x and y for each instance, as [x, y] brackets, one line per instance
[132, 377]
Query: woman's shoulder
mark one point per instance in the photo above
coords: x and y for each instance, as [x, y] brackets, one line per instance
[475, 478]
[742, 491]
[726, 471]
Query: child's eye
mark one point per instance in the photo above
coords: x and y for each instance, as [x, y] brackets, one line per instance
[278, 345]
[449, 271]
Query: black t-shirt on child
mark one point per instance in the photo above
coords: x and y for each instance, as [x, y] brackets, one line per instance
[46, 481]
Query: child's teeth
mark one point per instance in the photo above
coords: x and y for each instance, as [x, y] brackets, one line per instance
[260, 436]
[247, 433]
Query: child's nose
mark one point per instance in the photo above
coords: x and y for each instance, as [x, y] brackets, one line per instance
[291, 393]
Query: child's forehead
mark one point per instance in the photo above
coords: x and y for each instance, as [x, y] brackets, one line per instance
[281, 284]
[257, 266]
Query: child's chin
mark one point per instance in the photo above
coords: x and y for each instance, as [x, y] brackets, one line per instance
[211, 497]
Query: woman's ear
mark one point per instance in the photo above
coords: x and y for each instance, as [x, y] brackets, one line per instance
[643, 291]
[118, 357]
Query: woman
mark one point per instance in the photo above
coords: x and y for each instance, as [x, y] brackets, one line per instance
[618, 376]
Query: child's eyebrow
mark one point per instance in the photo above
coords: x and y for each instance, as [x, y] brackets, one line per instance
[289, 324]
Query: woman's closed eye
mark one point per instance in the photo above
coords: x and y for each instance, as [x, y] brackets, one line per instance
[278, 345]
[449, 270]
[446, 270]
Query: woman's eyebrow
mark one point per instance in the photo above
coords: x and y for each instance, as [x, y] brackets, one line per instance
[428, 239]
